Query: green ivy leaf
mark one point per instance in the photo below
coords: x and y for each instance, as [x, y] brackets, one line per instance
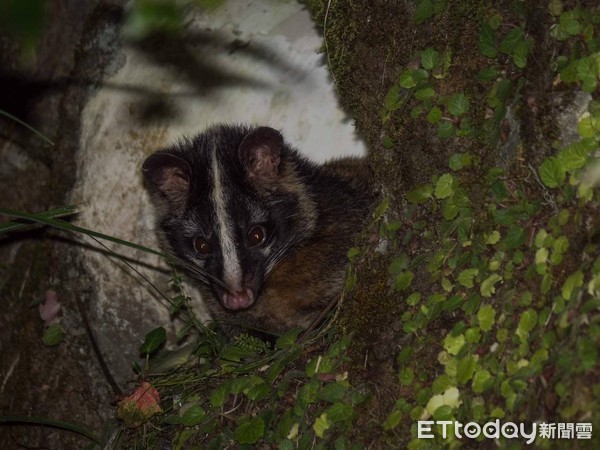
[406, 79]
[154, 339]
[192, 416]
[443, 187]
[492, 238]
[515, 237]
[381, 208]
[399, 264]
[53, 335]
[392, 420]
[487, 287]
[339, 412]
[414, 299]
[486, 317]
[249, 430]
[288, 339]
[574, 156]
[552, 173]
[423, 11]
[333, 392]
[574, 281]
[321, 425]
[512, 40]
[466, 368]
[467, 276]
[526, 323]
[406, 376]
[487, 41]
[434, 115]
[445, 129]
[424, 93]
[429, 58]
[453, 344]
[218, 396]
[587, 352]
[488, 74]
[391, 100]
[404, 280]
[420, 194]
[481, 380]
[588, 126]
[458, 104]
[519, 56]
[459, 161]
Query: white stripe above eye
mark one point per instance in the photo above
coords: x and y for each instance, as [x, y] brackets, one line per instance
[232, 270]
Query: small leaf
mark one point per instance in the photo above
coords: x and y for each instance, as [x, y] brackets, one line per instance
[515, 237]
[573, 282]
[492, 238]
[333, 392]
[453, 344]
[218, 396]
[552, 173]
[488, 74]
[445, 129]
[53, 335]
[403, 280]
[487, 287]
[339, 412]
[424, 11]
[466, 277]
[526, 323]
[574, 156]
[154, 339]
[443, 187]
[392, 420]
[459, 161]
[406, 79]
[424, 93]
[458, 104]
[466, 368]
[321, 425]
[588, 126]
[512, 40]
[487, 41]
[399, 264]
[381, 208]
[429, 58]
[481, 380]
[486, 317]
[250, 430]
[192, 416]
[288, 339]
[434, 115]
[406, 376]
[420, 194]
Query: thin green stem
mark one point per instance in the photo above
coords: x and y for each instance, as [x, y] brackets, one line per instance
[26, 125]
[79, 429]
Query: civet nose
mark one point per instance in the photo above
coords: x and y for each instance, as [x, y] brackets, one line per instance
[238, 300]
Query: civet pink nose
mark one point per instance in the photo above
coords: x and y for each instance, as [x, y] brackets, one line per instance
[238, 300]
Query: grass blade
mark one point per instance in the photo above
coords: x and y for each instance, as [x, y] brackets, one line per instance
[26, 125]
[66, 226]
[75, 428]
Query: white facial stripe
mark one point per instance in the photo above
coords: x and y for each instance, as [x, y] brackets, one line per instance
[232, 270]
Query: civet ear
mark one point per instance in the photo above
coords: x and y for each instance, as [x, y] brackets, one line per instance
[168, 175]
[259, 153]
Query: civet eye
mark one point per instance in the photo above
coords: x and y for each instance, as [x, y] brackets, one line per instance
[256, 236]
[202, 246]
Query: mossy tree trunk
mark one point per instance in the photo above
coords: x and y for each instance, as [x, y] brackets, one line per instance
[482, 121]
